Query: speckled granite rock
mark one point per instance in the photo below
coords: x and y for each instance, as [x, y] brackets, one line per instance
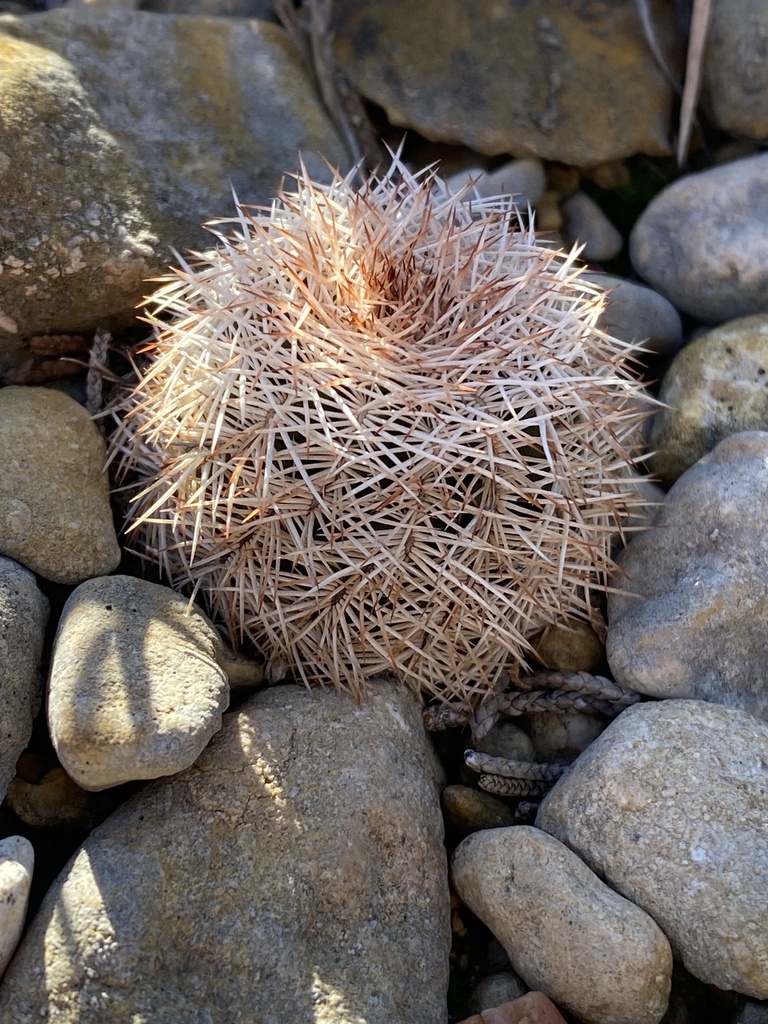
[23, 617]
[55, 516]
[296, 872]
[670, 806]
[703, 243]
[103, 167]
[716, 386]
[135, 690]
[565, 931]
[529, 79]
[687, 613]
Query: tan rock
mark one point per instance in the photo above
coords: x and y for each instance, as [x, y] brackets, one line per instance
[471, 809]
[103, 168]
[55, 516]
[572, 646]
[565, 932]
[52, 802]
[135, 690]
[296, 872]
[529, 79]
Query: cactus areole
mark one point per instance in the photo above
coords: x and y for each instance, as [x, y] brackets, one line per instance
[379, 429]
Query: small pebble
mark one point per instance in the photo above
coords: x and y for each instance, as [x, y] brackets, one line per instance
[496, 989]
[585, 224]
[524, 179]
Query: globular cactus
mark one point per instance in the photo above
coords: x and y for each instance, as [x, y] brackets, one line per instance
[379, 429]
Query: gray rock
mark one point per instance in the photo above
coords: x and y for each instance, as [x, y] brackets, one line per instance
[55, 516]
[496, 989]
[529, 79]
[103, 168]
[703, 242]
[634, 313]
[508, 740]
[296, 872]
[525, 179]
[17, 860]
[686, 615]
[735, 71]
[586, 225]
[669, 806]
[135, 690]
[23, 616]
[751, 1013]
[565, 932]
[716, 386]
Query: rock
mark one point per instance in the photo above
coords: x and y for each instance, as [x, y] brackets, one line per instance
[23, 617]
[261, 9]
[571, 646]
[495, 990]
[586, 225]
[634, 313]
[55, 516]
[559, 737]
[529, 79]
[686, 613]
[55, 801]
[751, 1013]
[716, 386]
[104, 169]
[654, 497]
[525, 179]
[669, 805]
[549, 220]
[532, 1008]
[471, 810]
[565, 931]
[507, 740]
[296, 872]
[735, 74]
[702, 241]
[17, 860]
[135, 690]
